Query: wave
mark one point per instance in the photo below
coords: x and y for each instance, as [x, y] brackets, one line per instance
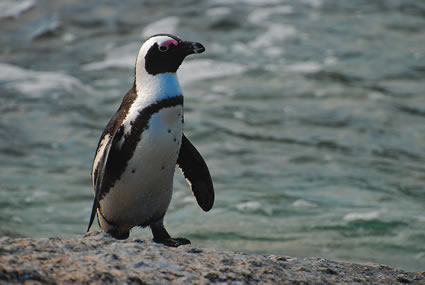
[36, 83]
[13, 9]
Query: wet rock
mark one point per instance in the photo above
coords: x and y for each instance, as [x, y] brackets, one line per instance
[96, 257]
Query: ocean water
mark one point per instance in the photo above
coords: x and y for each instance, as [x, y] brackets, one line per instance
[310, 115]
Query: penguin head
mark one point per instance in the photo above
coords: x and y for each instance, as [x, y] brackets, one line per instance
[163, 53]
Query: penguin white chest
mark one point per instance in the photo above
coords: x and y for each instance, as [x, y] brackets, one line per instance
[161, 140]
[144, 191]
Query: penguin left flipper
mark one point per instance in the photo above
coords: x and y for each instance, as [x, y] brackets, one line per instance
[102, 169]
[196, 172]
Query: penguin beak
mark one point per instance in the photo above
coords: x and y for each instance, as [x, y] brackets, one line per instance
[191, 48]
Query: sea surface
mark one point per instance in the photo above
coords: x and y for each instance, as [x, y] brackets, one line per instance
[310, 115]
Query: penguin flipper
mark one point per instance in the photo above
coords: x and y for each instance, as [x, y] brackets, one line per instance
[196, 172]
[98, 189]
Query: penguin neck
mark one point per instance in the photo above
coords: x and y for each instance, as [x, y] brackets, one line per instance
[151, 89]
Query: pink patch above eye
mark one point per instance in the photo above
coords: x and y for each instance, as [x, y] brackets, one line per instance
[169, 42]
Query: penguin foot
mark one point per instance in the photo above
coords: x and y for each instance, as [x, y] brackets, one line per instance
[172, 242]
[119, 235]
[160, 235]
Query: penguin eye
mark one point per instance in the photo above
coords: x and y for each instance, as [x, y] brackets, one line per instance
[163, 48]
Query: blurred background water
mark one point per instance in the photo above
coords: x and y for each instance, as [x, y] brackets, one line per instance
[310, 115]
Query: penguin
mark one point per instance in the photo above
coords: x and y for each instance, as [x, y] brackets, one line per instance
[137, 153]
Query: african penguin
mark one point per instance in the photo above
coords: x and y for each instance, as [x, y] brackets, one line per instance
[134, 165]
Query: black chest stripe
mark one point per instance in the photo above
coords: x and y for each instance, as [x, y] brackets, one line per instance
[119, 157]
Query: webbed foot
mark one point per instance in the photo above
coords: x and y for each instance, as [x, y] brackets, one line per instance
[160, 235]
[172, 242]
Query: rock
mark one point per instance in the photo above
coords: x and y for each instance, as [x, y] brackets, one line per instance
[96, 257]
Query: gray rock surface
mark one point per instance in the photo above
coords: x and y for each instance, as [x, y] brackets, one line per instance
[98, 258]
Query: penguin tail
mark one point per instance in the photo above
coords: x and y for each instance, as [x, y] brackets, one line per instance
[93, 214]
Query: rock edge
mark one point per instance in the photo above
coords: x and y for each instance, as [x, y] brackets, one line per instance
[98, 258]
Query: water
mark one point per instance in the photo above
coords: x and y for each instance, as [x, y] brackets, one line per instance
[310, 115]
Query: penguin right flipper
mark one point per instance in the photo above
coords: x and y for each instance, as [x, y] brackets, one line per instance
[99, 189]
[196, 172]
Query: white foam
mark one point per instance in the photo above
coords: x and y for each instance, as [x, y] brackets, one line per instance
[68, 37]
[260, 15]
[314, 3]
[240, 48]
[50, 25]
[275, 33]
[166, 25]
[248, 2]
[36, 195]
[376, 96]
[36, 83]
[367, 216]
[15, 8]
[304, 67]
[303, 204]
[193, 70]
[273, 51]
[249, 206]
[218, 12]
[123, 61]
[187, 199]
[421, 219]
[330, 60]
[239, 115]
[222, 89]
[123, 57]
